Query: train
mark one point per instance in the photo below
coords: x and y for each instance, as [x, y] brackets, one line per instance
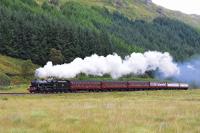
[67, 86]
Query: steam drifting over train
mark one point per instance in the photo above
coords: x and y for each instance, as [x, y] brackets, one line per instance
[113, 65]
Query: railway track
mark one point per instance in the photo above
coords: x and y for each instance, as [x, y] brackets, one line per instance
[6, 93]
[23, 94]
[27, 93]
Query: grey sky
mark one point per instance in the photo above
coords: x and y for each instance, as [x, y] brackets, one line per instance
[185, 6]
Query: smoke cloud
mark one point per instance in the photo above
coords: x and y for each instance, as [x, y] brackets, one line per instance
[114, 65]
[189, 72]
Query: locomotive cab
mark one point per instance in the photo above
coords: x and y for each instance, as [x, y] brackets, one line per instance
[37, 86]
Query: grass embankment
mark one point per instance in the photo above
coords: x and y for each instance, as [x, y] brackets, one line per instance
[22, 88]
[11, 71]
[158, 111]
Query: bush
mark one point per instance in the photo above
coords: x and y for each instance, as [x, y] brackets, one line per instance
[26, 68]
[4, 79]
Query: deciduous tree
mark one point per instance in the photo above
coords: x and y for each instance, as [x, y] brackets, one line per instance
[56, 56]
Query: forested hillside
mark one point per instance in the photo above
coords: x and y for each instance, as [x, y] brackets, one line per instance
[29, 29]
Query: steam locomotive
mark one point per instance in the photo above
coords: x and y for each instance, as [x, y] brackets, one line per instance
[66, 86]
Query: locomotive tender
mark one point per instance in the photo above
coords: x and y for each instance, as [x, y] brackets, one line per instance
[59, 86]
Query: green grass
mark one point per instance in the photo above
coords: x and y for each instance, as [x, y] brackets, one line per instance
[21, 88]
[10, 70]
[116, 112]
[10, 65]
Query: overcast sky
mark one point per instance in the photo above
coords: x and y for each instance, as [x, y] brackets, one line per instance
[186, 6]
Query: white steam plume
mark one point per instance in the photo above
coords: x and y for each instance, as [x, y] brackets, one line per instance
[114, 65]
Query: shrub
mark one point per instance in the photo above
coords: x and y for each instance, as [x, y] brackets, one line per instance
[4, 79]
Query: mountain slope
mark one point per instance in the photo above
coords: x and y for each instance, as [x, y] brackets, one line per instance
[30, 29]
[138, 9]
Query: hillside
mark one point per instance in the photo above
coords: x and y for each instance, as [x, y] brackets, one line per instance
[138, 9]
[11, 71]
[30, 29]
